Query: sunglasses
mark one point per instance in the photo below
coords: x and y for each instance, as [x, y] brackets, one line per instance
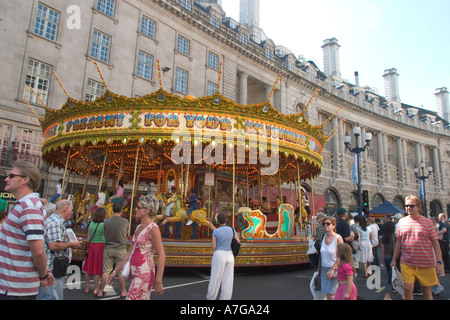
[410, 205]
[327, 224]
[13, 175]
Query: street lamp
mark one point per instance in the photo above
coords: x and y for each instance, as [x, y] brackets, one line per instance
[423, 178]
[358, 150]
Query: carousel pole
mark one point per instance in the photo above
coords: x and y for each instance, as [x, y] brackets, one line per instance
[99, 187]
[49, 179]
[234, 190]
[134, 191]
[88, 175]
[300, 199]
[63, 186]
[248, 190]
[159, 190]
[313, 205]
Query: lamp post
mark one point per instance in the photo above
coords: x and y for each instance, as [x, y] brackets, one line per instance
[423, 178]
[358, 150]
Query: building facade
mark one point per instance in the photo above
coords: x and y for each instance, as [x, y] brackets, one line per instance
[191, 39]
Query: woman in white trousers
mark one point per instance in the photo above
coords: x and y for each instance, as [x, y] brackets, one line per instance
[222, 265]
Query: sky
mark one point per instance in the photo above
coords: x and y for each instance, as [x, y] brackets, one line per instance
[409, 35]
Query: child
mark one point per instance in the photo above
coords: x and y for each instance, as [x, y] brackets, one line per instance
[346, 289]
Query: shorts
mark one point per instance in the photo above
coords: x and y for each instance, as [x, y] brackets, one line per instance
[112, 258]
[426, 276]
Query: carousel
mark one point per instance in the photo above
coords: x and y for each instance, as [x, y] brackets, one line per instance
[227, 154]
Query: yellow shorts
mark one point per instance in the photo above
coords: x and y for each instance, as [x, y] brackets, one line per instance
[427, 277]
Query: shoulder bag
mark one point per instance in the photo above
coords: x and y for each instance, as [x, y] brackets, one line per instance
[235, 245]
[86, 248]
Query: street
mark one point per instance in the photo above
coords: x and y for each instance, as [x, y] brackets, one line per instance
[289, 283]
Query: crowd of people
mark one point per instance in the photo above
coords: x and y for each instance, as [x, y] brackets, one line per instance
[348, 244]
[36, 247]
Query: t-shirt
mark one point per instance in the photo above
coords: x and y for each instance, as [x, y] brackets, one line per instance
[415, 236]
[115, 229]
[99, 236]
[24, 223]
[344, 271]
[223, 236]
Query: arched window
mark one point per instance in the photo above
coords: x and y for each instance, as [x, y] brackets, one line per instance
[332, 202]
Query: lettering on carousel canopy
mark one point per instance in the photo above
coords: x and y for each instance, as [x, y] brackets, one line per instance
[190, 121]
[95, 122]
[173, 121]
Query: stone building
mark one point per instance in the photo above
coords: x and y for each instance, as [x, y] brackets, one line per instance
[191, 39]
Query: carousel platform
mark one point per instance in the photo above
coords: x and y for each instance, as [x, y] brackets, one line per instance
[198, 253]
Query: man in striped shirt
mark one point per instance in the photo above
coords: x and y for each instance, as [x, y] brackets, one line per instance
[418, 244]
[23, 261]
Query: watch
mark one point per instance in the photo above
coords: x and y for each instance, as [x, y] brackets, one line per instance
[44, 277]
[440, 262]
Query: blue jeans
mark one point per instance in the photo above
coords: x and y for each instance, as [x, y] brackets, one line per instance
[52, 293]
[387, 263]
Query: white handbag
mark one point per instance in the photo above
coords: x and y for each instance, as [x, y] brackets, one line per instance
[311, 248]
[126, 271]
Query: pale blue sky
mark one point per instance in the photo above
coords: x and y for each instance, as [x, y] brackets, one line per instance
[409, 35]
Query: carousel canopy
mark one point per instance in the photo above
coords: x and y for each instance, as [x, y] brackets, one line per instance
[163, 129]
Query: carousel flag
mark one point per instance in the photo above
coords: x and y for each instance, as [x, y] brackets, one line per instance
[421, 193]
[355, 170]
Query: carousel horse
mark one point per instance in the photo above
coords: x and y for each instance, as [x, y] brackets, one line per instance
[178, 213]
[82, 212]
[257, 224]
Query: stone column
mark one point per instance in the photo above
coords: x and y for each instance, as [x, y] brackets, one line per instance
[243, 92]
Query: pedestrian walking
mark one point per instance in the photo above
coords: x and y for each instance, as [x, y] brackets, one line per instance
[346, 269]
[93, 263]
[222, 265]
[444, 241]
[365, 245]
[387, 252]
[418, 244]
[22, 251]
[145, 243]
[116, 229]
[57, 244]
[329, 261]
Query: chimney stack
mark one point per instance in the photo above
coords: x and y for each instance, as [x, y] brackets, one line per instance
[357, 78]
[331, 61]
[442, 103]
[391, 87]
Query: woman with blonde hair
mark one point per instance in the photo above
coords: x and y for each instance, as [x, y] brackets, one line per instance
[146, 242]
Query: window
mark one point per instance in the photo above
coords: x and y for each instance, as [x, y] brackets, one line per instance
[38, 78]
[148, 27]
[268, 52]
[213, 61]
[181, 81]
[215, 22]
[145, 65]
[211, 88]
[107, 7]
[183, 46]
[5, 135]
[28, 146]
[243, 39]
[101, 46]
[94, 90]
[47, 21]
[187, 4]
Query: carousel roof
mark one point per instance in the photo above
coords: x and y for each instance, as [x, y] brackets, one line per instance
[163, 129]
